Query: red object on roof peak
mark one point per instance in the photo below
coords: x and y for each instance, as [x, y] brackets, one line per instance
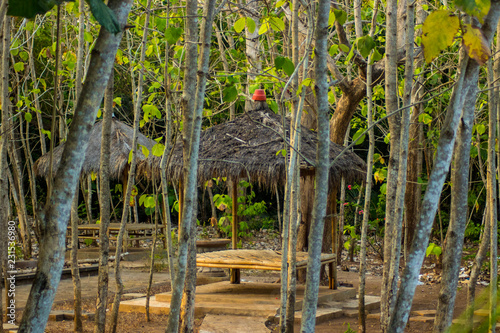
[259, 95]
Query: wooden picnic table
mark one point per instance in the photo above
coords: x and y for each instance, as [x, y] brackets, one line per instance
[259, 259]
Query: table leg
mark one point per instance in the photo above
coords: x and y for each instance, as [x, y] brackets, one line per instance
[235, 276]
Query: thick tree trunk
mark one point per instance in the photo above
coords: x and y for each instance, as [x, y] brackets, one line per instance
[55, 219]
[452, 255]
[322, 167]
[468, 71]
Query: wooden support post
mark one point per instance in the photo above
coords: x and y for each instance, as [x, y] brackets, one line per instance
[333, 266]
[181, 204]
[235, 273]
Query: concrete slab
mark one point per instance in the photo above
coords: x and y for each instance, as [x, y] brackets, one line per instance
[229, 324]
[134, 295]
[10, 328]
[322, 315]
[422, 319]
[423, 313]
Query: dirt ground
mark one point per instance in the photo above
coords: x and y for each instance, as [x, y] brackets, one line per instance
[426, 297]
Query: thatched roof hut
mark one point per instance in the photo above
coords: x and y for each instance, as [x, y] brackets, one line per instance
[121, 144]
[249, 147]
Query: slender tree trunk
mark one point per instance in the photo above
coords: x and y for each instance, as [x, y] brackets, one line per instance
[191, 133]
[131, 178]
[491, 192]
[187, 315]
[322, 166]
[465, 84]
[4, 183]
[75, 272]
[102, 287]
[369, 181]
[392, 226]
[56, 215]
[475, 271]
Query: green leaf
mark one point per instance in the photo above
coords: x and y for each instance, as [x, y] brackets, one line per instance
[433, 249]
[365, 45]
[145, 151]
[229, 94]
[344, 48]
[438, 32]
[282, 152]
[172, 34]
[30, 8]
[264, 27]
[158, 149]
[376, 56]
[480, 128]
[130, 156]
[19, 66]
[334, 49]
[359, 135]
[239, 25]
[340, 16]
[425, 118]
[105, 16]
[280, 3]
[251, 25]
[477, 8]
[475, 44]
[28, 117]
[288, 67]
[276, 23]
[278, 62]
[87, 36]
[331, 19]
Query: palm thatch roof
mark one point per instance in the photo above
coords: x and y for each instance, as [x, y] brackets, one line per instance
[121, 144]
[249, 147]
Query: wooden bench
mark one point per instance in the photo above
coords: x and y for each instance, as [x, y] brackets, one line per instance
[133, 232]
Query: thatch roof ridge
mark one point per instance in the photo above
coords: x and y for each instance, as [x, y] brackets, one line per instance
[121, 144]
[249, 146]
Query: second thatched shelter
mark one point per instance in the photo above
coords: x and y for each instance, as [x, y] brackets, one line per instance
[250, 147]
[121, 144]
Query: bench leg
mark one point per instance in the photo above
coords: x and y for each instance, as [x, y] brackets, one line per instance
[235, 276]
[332, 275]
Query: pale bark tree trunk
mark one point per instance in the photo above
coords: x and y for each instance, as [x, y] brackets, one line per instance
[187, 314]
[75, 272]
[310, 302]
[369, 181]
[466, 86]
[291, 211]
[475, 271]
[56, 215]
[491, 192]
[164, 159]
[104, 207]
[190, 137]
[452, 255]
[131, 177]
[391, 256]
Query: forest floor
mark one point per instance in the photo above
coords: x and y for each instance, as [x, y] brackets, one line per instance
[136, 276]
